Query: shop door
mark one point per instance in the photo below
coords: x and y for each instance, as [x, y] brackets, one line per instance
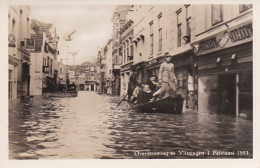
[227, 94]
[92, 87]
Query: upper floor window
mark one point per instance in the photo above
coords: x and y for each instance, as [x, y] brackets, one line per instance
[188, 21]
[179, 31]
[131, 52]
[217, 14]
[13, 26]
[244, 7]
[128, 52]
[151, 38]
[160, 32]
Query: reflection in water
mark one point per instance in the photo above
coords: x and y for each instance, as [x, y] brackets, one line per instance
[91, 126]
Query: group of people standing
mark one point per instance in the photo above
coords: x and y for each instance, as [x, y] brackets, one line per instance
[140, 93]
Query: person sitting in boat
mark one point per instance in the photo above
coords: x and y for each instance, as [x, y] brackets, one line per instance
[152, 83]
[167, 78]
[145, 96]
[136, 91]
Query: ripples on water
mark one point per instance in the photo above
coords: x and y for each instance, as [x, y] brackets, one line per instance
[91, 126]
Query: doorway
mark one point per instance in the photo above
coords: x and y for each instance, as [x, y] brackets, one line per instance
[226, 95]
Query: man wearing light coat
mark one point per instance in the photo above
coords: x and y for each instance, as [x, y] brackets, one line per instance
[167, 77]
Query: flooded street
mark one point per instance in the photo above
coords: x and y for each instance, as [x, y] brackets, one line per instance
[91, 126]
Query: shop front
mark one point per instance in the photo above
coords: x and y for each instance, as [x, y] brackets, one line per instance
[224, 72]
[184, 73]
[125, 73]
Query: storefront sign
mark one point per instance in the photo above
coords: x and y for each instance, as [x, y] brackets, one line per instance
[228, 38]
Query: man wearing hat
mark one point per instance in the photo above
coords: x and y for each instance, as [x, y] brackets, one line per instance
[167, 78]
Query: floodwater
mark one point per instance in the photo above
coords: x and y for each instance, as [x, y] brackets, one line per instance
[91, 126]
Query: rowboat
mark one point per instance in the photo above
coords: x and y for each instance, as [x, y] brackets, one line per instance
[169, 104]
[61, 94]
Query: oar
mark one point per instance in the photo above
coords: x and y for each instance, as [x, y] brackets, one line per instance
[121, 100]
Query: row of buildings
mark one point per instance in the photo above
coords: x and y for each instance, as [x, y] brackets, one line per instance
[210, 45]
[32, 54]
[84, 76]
[32, 57]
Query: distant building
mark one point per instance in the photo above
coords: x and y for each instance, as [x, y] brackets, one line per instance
[120, 17]
[91, 77]
[62, 73]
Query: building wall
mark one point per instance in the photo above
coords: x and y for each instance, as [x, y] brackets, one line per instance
[13, 57]
[19, 25]
[36, 74]
[226, 62]
[109, 64]
[62, 72]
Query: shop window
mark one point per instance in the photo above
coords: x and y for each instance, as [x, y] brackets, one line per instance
[244, 7]
[207, 93]
[217, 14]
[246, 93]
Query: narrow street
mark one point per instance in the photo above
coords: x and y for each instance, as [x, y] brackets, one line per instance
[91, 126]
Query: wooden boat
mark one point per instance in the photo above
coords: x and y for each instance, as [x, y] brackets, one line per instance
[169, 104]
[61, 94]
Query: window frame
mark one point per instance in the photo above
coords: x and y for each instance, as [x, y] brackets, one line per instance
[179, 27]
[159, 32]
[160, 40]
[188, 21]
[151, 38]
[212, 14]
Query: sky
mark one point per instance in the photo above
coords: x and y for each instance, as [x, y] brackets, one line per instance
[92, 24]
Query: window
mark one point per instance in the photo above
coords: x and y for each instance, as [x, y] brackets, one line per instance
[188, 20]
[216, 14]
[127, 55]
[160, 32]
[13, 26]
[131, 52]
[244, 7]
[160, 39]
[151, 38]
[28, 27]
[179, 33]
[125, 46]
